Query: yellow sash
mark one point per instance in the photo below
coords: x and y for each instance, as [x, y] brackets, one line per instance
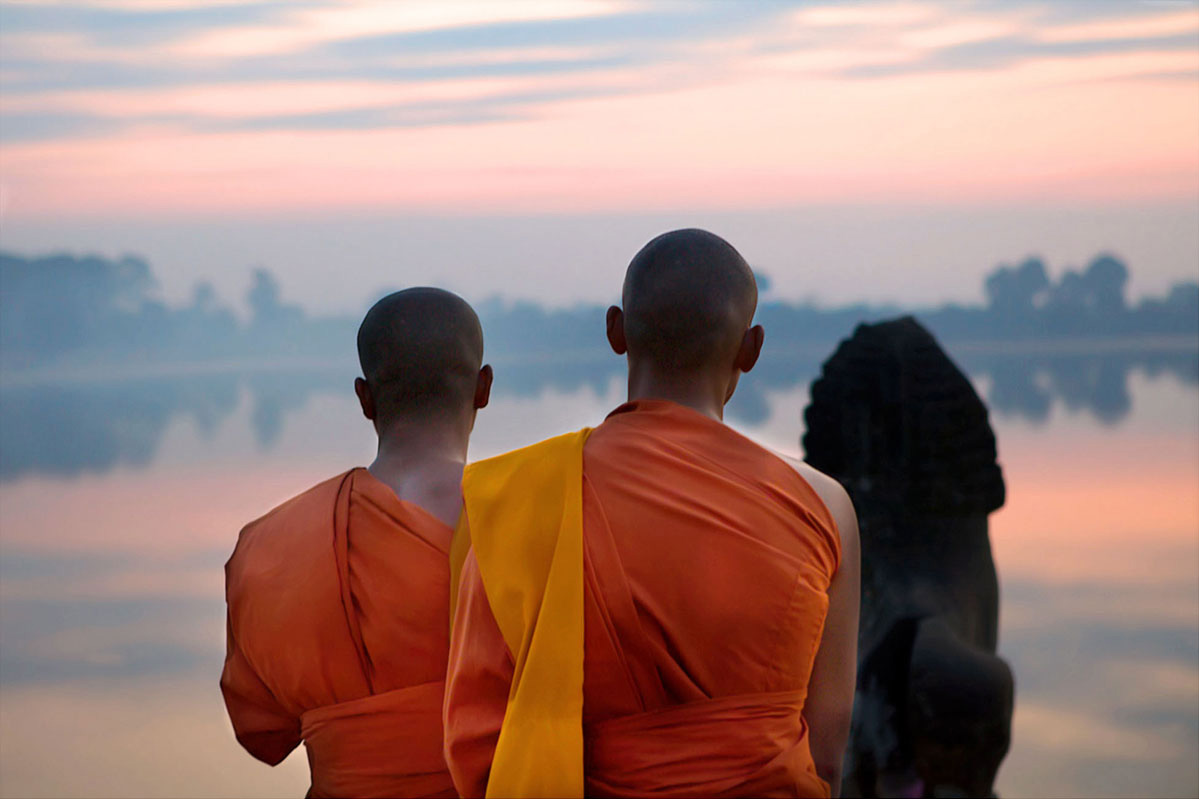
[524, 517]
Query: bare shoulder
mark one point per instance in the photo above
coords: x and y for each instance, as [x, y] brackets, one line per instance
[827, 488]
[834, 496]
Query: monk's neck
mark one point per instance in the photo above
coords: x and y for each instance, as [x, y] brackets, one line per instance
[422, 462]
[700, 393]
[409, 443]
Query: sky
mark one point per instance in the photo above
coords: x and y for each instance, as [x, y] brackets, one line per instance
[890, 152]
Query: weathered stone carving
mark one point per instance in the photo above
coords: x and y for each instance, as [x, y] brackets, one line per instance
[902, 428]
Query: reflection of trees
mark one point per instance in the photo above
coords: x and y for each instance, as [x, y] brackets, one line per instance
[275, 395]
[778, 369]
[1015, 392]
[1099, 385]
[68, 429]
[1110, 400]
[1025, 386]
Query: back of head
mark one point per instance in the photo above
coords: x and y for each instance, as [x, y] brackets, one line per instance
[420, 351]
[688, 299]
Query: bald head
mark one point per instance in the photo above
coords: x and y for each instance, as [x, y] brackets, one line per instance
[688, 299]
[420, 351]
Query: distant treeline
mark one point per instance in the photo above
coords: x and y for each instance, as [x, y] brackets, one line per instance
[64, 310]
[89, 352]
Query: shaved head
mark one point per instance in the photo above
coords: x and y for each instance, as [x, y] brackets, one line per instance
[420, 351]
[688, 299]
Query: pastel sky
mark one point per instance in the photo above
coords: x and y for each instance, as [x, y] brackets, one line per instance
[169, 127]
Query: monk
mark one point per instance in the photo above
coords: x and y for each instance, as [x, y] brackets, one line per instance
[659, 606]
[338, 600]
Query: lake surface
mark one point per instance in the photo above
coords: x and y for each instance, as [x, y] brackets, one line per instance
[120, 500]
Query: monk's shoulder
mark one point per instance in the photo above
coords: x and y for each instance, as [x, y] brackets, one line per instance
[831, 492]
[288, 524]
[298, 507]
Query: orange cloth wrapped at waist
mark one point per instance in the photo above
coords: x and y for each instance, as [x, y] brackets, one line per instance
[356, 748]
[750, 745]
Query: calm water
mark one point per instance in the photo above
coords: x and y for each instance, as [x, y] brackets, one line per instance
[120, 500]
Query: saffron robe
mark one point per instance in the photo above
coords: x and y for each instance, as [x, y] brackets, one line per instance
[705, 565]
[338, 626]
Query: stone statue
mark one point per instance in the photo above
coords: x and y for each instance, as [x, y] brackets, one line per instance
[902, 428]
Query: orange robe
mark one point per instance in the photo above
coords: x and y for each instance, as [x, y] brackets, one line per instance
[338, 628]
[706, 566]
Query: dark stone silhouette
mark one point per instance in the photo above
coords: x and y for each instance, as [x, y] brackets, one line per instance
[901, 427]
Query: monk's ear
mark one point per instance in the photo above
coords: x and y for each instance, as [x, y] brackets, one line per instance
[616, 330]
[483, 386]
[365, 398]
[750, 349]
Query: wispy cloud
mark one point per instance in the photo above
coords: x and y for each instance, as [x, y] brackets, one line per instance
[510, 80]
[305, 28]
[1011, 50]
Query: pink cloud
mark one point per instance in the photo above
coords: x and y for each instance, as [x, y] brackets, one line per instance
[740, 130]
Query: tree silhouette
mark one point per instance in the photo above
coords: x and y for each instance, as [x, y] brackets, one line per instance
[1016, 290]
[1106, 278]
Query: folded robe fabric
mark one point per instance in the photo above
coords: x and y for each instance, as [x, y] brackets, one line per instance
[531, 562]
[705, 568]
[338, 609]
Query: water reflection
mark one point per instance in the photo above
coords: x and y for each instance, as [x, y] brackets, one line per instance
[111, 619]
[69, 427]
[278, 394]
[121, 498]
[1097, 383]
[1107, 687]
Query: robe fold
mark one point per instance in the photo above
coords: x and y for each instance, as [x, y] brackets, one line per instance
[338, 613]
[705, 566]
